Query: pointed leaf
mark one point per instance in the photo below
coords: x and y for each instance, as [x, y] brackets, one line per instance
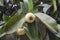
[11, 22]
[28, 4]
[16, 26]
[54, 5]
[32, 31]
[50, 23]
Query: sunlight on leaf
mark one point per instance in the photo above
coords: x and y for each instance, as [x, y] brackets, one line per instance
[50, 23]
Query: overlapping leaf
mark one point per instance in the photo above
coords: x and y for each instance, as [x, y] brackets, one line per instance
[32, 31]
[9, 25]
[50, 23]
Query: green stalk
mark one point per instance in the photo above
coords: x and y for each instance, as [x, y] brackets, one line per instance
[54, 5]
[30, 5]
[32, 31]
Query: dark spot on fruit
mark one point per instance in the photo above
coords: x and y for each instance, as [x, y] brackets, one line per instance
[30, 18]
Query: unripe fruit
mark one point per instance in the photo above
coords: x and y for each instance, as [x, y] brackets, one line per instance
[21, 31]
[30, 17]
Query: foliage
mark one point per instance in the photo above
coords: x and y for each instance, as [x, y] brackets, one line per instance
[45, 24]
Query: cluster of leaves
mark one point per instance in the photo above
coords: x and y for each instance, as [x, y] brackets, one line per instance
[14, 18]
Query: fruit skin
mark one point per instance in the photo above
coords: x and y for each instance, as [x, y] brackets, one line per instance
[30, 17]
[21, 31]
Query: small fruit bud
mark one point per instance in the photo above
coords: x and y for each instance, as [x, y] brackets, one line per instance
[30, 17]
[21, 31]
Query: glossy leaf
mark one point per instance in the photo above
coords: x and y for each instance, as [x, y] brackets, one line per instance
[16, 26]
[50, 23]
[11, 22]
[34, 30]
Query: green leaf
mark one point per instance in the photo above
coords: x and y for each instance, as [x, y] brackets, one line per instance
[50, 23]
[2, 35]
[41, 28]
[11, 22]
[58, 34]
[5, 17]
[16, 26]
[54, 5]
[32, 31]
[25, 5]
[28, 4]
